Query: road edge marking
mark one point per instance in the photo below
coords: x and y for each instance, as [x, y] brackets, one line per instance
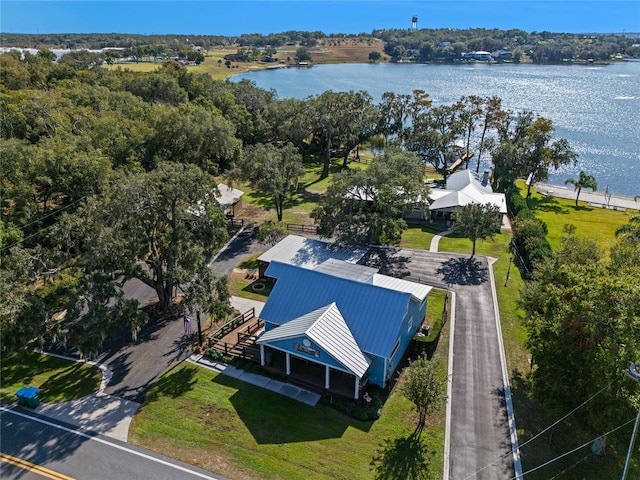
[515, 449]
[33, 467]
[111, 444]
[447, 428]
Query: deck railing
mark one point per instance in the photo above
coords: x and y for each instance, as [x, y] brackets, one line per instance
[234, 323]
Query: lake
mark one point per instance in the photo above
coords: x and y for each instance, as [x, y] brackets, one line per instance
[596, 108]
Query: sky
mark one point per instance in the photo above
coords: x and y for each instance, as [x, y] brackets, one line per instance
[234, 17]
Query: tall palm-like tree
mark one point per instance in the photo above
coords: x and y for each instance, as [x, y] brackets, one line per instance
[584, 181]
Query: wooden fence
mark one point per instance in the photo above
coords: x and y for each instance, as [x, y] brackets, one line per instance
[297, 227]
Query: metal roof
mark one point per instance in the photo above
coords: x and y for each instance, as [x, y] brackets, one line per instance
[228, 195]
[373, 313]
[469, 195]
[463, 188]
[418, 291]
[308, 253]
[328, 329]
[342, 269]
[459, 180]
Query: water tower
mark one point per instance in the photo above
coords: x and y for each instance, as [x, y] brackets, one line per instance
[414, 22]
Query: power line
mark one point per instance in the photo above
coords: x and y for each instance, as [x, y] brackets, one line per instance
[7, 247]
[575, 449]
[546, 429]
[52, 213]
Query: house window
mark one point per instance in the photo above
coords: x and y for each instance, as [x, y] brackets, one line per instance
[395, 348]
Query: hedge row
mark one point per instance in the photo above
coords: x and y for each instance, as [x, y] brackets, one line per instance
[529, 245]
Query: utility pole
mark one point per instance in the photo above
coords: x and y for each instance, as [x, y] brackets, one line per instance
[634, 372]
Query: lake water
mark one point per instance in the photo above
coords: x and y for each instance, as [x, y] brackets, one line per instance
[596, 108]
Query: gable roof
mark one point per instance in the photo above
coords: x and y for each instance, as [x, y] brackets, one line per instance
[328, 329]
[373, 313]
[308, 253]
[463, 188]
[228, 195]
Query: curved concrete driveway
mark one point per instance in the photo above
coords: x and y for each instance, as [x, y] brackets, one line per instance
[480, 442]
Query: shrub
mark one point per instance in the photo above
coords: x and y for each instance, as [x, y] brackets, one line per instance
[218, 356]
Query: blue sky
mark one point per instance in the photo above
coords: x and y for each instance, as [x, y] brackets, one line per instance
[233, 17]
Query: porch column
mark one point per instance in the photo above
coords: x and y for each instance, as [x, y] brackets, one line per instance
[356, 394]
[288, 359]
[262, 354]
[326, 377]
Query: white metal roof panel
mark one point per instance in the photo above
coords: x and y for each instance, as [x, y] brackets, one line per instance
[308, 253]
[228, 195]
[418, 291]
[342, 269]
[328, 329]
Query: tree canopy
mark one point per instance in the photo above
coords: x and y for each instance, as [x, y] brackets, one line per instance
[477, 221]
[583, 324]
[365, 206]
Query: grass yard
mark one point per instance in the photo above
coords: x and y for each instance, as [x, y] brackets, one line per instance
[347, 50]
[331, 51]
[246, 432]
[59, 380]
[597, 223]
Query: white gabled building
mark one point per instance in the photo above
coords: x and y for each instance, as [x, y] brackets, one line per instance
[464, 187]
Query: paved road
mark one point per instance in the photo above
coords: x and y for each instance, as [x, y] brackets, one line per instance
[597, 199]
[479, 429]
[242, 246]
[68, 453]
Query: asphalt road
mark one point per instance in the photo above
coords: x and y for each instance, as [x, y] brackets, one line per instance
[479, 433]
[242, 246]
[62, 453]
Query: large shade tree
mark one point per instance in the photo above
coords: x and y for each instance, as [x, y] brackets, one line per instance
[365, 206]
[583, 325]
[435, 135]
[526, 149]
[272, 169]
[338, 117]
[159, 226]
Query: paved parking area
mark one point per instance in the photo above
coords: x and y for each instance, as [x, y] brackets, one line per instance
[480, 442]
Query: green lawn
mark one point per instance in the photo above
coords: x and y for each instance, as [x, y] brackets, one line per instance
[597, 223]
[243, 431]
[59, 380]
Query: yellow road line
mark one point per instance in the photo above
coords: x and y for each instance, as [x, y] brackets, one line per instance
[32, 467]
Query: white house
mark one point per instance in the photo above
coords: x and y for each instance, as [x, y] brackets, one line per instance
[464, 187]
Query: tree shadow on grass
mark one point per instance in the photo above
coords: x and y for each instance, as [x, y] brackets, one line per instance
[546, 204]
[402, 457]
[464, 271]
[274, 419]
[174, 384]
[74, 382]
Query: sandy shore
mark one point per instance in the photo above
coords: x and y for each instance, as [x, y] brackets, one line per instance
[594, 199]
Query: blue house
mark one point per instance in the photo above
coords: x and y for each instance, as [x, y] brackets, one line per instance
[338, 326]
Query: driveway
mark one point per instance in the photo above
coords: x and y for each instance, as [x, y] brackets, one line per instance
[241, 246]
[161, 342]
[479, 431]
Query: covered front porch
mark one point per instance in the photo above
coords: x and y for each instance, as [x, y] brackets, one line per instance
[311, 375]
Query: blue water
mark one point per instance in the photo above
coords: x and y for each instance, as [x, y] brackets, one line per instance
[596, 108]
